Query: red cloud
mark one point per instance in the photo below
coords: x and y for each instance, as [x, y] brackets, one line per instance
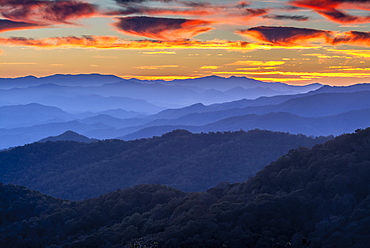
[45, 12]
[162, 28]
[6, 25]
[285, 36]
[112, 42]
[330, 9]
[353, 37]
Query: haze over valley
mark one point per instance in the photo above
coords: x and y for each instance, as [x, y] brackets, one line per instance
[106, 107]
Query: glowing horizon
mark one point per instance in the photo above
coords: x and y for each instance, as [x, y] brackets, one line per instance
[295, 42]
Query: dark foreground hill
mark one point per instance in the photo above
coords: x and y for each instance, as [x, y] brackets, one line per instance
[315, 197]
[189, 162]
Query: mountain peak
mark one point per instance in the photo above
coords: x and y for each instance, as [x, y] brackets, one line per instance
[69, 136]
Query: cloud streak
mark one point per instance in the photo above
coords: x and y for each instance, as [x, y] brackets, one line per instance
[334, 10]
[162, 28]
[6, 25]
[287, 17]
[113, 42]
[156, 67]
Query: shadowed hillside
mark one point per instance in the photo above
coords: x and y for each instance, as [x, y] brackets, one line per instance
[190, 162]
[315, 197]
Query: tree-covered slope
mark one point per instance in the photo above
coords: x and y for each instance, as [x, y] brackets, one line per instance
[315, 197]
[189, 162]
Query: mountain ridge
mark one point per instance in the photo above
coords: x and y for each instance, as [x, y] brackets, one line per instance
[316, 197]
[191, 162]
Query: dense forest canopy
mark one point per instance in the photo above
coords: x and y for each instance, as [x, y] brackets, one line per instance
[315, 197]
[189, 162]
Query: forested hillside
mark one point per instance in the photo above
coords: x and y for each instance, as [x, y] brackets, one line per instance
[189, 162]
[315, 197]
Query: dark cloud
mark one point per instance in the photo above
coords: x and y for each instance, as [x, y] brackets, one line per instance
[6, 25]
[255, 12]
[292, 36]
[287, 17]
[162, 28]
[287, 36]
[45, 12]
[196, 4]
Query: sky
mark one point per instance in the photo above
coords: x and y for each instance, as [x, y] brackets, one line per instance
[296, 42]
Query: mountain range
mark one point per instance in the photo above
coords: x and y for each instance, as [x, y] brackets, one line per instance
[106, 107]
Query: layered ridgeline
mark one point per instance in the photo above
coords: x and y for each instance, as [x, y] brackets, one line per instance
[189, 162]
[107, 107]
[315, 197]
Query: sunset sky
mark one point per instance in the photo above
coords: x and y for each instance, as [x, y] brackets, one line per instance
[295, 42]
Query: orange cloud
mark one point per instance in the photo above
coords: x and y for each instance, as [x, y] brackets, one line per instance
[210, 67]
[258, 68]
[159, 53]
[258, 63]
[18, 63]
[156, 67]
[162, 28]
[113, 42]
[354, 38]
[302, 74]
[161, 77]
